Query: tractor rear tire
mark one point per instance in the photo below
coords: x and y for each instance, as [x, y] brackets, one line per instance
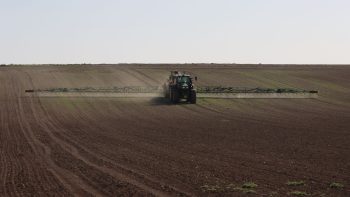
[176, 98]
[193, 98]
[166, 91]
[171, 95]
[166, 94]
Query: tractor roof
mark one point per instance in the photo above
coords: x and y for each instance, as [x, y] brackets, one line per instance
[177, 73]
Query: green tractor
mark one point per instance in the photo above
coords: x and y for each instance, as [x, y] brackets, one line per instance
[180, 86]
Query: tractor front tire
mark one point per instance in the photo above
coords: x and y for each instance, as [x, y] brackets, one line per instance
[166, 94]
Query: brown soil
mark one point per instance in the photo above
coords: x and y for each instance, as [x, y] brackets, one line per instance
[147, 147]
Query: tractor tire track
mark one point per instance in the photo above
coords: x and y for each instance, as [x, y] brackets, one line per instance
[57, 148]
[75, 153]
[125, 173]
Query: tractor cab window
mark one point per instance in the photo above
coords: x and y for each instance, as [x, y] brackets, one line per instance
[184, 79]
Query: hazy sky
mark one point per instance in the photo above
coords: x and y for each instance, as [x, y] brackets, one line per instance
[178, 31]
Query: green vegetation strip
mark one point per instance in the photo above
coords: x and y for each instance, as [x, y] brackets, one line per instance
[298, 193]
[336, 185]
[295, 183]
[249, 185]
[247, 188]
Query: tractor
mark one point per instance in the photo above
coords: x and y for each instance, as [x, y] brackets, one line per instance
[180, 86]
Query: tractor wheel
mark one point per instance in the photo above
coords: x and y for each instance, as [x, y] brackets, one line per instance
[193, 98]
[175, 96]
[166, 91]
[171, 95]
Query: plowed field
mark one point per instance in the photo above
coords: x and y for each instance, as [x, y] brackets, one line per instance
[148, 147]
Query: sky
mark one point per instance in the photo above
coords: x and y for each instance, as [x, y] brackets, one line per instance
[175, 31]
